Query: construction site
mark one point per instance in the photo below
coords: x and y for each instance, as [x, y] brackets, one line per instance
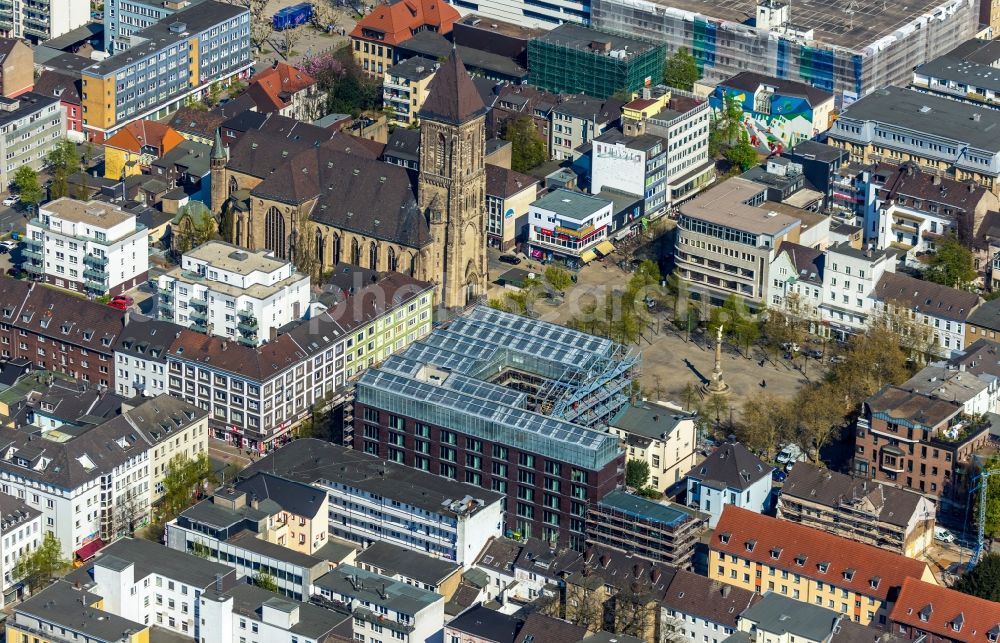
[848, 47]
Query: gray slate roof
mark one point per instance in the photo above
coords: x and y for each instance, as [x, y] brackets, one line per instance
[731, 465]
[62, 604]
[295, 497]
[392, 559]
[149, 557]
[314, 622]
[357, 583]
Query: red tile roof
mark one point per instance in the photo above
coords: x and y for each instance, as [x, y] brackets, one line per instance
[945, 609]
[278, 82]
[640, 103]
[849, 565]
[398, 20]
[136, 134]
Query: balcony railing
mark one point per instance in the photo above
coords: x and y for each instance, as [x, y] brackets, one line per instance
[96, 286]
[197, 315]
[199, 303]
[37, 269]
[95, 274]
[247, 341]
[199, 327]
[248, 325]
[31, 253]
[94, 260]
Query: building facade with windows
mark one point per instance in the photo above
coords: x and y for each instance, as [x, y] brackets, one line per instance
[485, 402]
[88, 246]
[140, 357]
[569, 226]
[30, 126]
[933, 613]
[404, 89]
[850, 276]
[21, 528]
[764, 554]
[376, 35]
[61, 607]
[164, 65]
[662, 436]
[371, 499]
[40, 21]
[632, 164]
[509, 196]
[242, 295]
[730, 475]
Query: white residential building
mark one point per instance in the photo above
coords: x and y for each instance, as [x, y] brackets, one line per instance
[796, 280]
[702, 610]
[569, 226]
[141, 357]
[393, 610]
[632, 164]
[96, 485]
[849, 279]
[150, 584]
[371, 499]
[21, 532]
[248, 613]
[730, 475]
[30, 126]
[43, 20]
[90, 246]
[659, 434]
[243, 295]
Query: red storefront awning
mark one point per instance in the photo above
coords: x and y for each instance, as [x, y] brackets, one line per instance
[87, 551]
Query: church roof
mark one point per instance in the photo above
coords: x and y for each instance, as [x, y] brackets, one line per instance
[452, 97]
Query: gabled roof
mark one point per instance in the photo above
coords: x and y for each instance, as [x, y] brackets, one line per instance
[59, 85]
[925, 297]
[939, 610]
[731, 465]
[504, 183]
[294, 497]
[546, 629]
[808, 262]
[273, 87]
[452, 97]
[812, 553]
[750, 81]
[137, 134]
[714, 601]
[398, 20]
[188, 120]
[60, 316]
[487, 625]
[258, 364]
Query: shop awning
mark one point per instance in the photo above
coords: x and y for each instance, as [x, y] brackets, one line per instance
[587, 256]
[604, 248]
[87, 551]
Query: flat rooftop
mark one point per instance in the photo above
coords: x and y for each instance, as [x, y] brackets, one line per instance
[930, 115]
[241, 261]
[499, 26]
[95, 213]
[967, 72]
[573, 36]
[829, 20]
[725, 205]
[664, 513]
[569, 203]
[63, 605]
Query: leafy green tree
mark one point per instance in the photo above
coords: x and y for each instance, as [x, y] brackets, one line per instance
[558, 278]
[62, 161]
[42, 564]
[27, 186]
[522, 300]
[742, 155]
[180, 482]
[528, 148]
[681, 70]
[636, 473]
[264, 580]
[983, 580]
[952, 264]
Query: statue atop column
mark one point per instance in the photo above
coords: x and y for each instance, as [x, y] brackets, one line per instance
[717, 386]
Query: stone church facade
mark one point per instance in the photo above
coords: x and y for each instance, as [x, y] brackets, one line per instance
[319, 203]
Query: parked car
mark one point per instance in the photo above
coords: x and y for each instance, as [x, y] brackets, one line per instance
[790, 453]
[813, 353]
[118, 304]
[943, 535]
[11, 200]
[511, 259]
[10, 244]
[778, 475]
[790, 346]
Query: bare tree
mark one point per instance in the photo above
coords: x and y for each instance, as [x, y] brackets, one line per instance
[128, 514]
[634, 611]
[585, 598]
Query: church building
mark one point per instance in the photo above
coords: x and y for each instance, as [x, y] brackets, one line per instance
[317, 203]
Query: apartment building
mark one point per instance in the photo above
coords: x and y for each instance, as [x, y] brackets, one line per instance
[164, 65]
[148, 583]
[242, 295]
[657, 531]
[682, 121]
[577, 120]
[764, 554]
[140, 357]
[943, 136]
[21, 532]
[41, 21]
[517, 432]
[634, 165]
[134, 147]
[404, 89]
[393, 609]
[372, 499]
[65, 87]
[246, 612]
[88, 246]
[375, 37]
[730, 475]
[704, 610]
[61, 607]
[873, 513]
[122, 18]
[16, 66]
[410, 567]
[569, 226]
[850, 277]
[918, 441]
[797, 280]
[937, 312]
[782, 619]
[93, 486]
[659, 434]
[30, 126]
[509, 195]
[931, 612]
[966, 73]
[59, 332]
[287, 90]
[521, 571]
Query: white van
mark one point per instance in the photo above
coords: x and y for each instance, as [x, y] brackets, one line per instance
[790, 453]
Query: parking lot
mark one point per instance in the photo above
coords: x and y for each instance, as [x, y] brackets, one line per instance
[307, 40]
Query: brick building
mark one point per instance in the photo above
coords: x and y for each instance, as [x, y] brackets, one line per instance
[58, 332]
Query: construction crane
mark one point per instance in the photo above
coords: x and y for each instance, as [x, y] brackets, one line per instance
[980, 483]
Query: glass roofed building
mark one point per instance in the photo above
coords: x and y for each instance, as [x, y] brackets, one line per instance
[508, 403]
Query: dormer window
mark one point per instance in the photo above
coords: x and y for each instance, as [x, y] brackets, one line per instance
[750, 544]
[724, 538]
[800, 560]
[848, 574]
[994, 633]
[958, 621]
[775, 552]
[874, 582]
[822, 567]
[925, 613]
